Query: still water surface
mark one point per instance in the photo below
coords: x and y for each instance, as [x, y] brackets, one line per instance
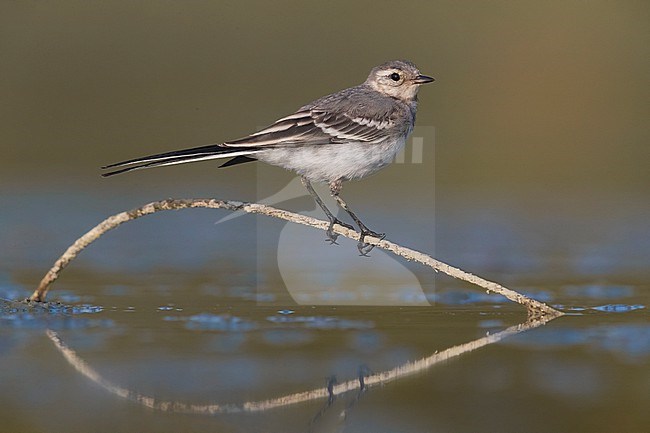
[178, 309]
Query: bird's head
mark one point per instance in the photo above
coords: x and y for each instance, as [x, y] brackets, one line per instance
[400, 79]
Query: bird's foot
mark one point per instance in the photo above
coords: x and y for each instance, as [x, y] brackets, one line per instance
[363, 247]
[331, 236]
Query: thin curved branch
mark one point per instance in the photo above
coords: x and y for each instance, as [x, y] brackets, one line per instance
[535, 308]
[383, 377]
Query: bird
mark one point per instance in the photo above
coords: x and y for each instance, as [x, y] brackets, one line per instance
[344, 136]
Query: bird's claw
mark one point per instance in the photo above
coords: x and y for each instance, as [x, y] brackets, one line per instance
[331, 236]
[363, 247]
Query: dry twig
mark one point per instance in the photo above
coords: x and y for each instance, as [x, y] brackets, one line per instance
[535, 308]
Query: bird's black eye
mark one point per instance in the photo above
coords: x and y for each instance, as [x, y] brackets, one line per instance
[394, 76]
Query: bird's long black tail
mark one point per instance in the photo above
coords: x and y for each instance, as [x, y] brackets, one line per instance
[203, 153]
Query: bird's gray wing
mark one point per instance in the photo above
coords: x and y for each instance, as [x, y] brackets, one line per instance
[314, 126]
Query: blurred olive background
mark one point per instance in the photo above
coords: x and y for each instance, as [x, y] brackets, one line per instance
[534, 174]
[533, 96]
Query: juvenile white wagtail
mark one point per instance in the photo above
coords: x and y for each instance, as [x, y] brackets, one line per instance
[347, 135]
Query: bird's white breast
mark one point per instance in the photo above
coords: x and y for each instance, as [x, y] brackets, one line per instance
[337, 161]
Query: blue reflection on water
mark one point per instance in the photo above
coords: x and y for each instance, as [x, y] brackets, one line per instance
[322, 322]
[368, 341]
[567, 378]
[599, 291]
[287, 337]
[618, 308]
[214, 322]
[52, 319]
[225, 342]
[629, 342]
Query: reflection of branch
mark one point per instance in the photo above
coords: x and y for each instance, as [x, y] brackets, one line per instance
[399, 372]
[534, 307]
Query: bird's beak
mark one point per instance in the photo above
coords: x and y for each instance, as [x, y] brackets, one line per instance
[423, 79]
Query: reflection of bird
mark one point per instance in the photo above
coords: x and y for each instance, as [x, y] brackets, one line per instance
[343, 136]
[306, 271]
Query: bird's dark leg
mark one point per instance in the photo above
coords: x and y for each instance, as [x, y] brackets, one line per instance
[331, 236]
[364, 248]
[331, 381]
[363, 372]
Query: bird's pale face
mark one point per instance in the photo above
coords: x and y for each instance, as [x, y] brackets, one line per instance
[399, 79]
